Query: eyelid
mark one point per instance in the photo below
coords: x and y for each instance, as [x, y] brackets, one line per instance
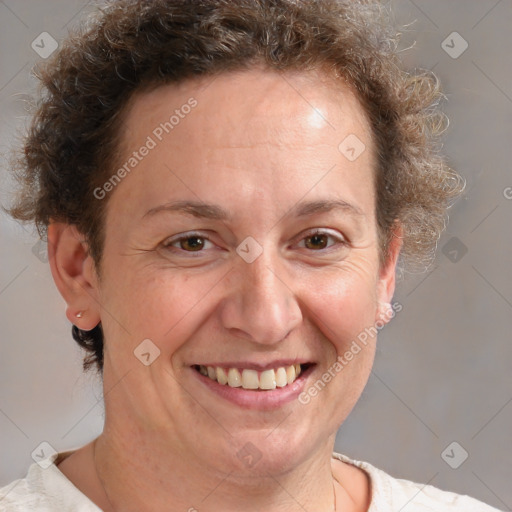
[341, 240]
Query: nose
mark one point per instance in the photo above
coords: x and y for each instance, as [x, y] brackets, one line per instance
[260, 305]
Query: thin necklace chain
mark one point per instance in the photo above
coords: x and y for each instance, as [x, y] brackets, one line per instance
[334, 490]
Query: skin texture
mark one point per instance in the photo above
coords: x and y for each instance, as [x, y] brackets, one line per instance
[257, 144]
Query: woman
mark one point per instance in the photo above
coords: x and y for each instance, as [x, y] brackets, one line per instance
[226, 189]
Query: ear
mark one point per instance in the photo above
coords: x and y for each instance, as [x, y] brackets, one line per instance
[387, 276]
[74, 274]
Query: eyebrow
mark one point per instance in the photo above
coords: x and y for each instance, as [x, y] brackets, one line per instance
[216, 212]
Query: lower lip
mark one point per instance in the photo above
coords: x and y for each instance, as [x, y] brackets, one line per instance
[254, 399]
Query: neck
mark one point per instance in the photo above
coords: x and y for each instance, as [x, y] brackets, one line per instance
[135, 470]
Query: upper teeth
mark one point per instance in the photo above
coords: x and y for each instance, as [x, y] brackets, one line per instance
[251, 379]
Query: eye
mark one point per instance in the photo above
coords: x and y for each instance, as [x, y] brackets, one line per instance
[318, 240]
[190, 242]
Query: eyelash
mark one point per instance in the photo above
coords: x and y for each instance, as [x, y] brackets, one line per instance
[168, 245]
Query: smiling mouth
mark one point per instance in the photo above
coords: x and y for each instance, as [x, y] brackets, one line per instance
[266, 380]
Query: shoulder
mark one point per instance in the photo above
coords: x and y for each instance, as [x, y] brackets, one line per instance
[390, 494]
[44, 490]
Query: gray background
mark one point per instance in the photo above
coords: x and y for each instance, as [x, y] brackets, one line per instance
[442, 372]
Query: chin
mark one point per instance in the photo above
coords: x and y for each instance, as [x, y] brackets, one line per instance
[270, 452]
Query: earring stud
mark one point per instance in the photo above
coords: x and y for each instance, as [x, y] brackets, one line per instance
[80, 314]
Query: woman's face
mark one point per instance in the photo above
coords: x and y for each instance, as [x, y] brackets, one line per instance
[244, 236]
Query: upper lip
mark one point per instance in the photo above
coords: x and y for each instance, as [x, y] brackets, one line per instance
[251, 365]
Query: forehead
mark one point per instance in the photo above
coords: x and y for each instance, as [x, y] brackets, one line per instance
[255, 137]
[253, 106]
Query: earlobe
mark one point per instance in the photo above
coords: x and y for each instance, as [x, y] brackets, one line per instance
[71, 264]
[387, 277]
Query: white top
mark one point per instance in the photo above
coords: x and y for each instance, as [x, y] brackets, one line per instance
[48, 490]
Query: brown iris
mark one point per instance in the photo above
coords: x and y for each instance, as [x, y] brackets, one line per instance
[316, 239]
[194, 243]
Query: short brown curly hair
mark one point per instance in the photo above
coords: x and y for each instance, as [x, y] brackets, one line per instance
[128, 46]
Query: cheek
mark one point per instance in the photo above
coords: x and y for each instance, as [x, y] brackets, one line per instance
[165, 307]
[343, 303]
[343, 309]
